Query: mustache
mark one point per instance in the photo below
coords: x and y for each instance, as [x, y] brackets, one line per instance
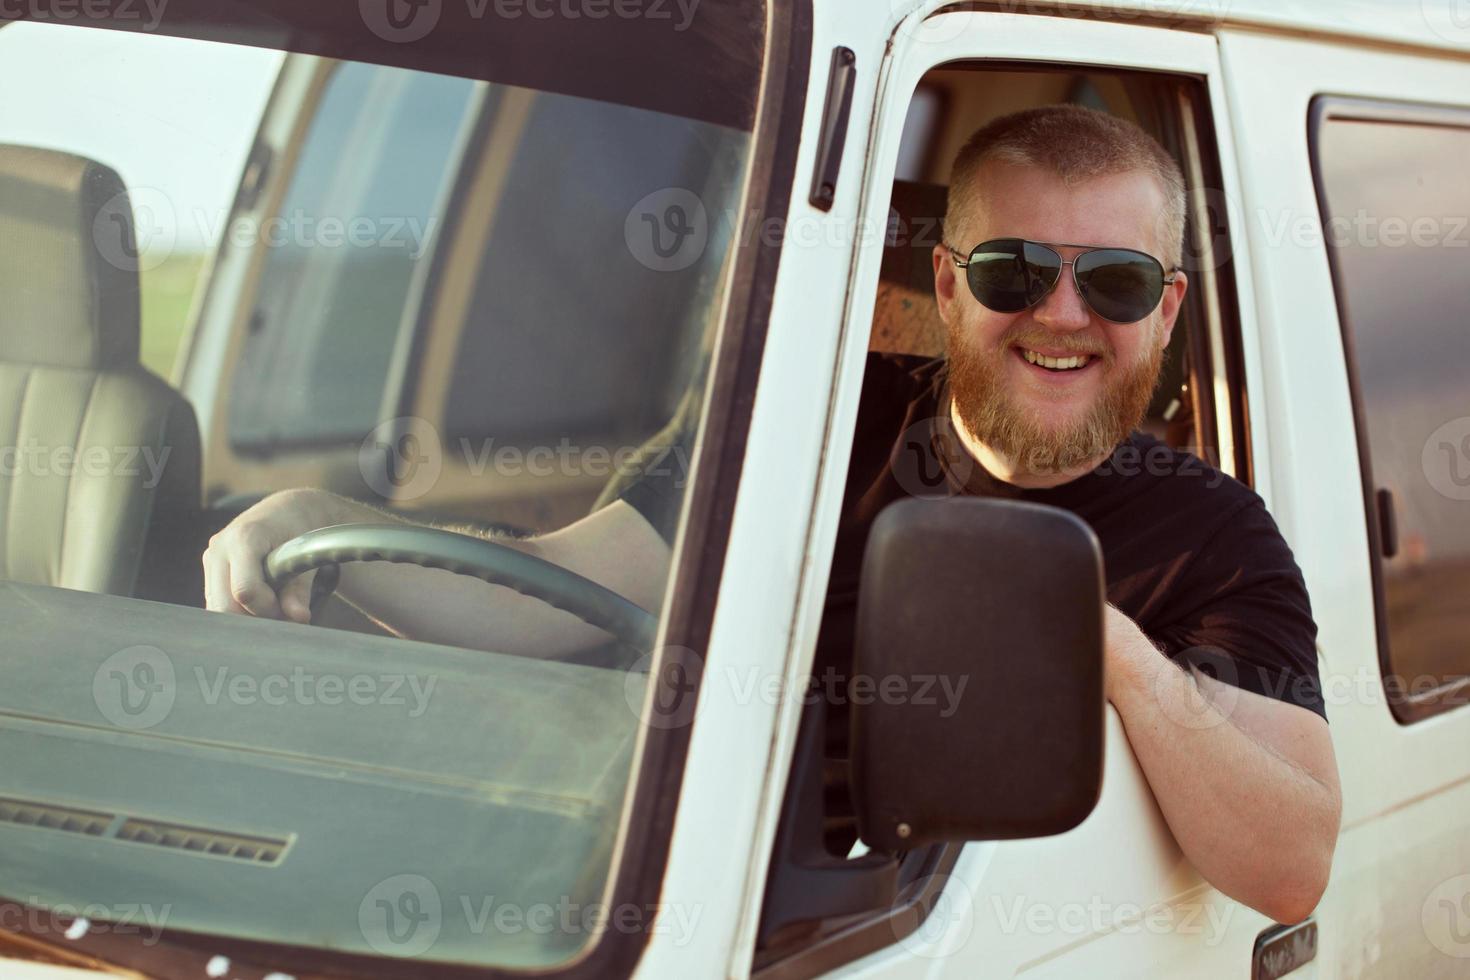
[1067, 343]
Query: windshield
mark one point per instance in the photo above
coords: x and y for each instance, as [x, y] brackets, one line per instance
[465, 289]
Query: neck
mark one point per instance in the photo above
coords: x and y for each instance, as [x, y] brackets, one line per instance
[1012, 470]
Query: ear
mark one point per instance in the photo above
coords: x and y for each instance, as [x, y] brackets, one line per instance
[1171, 303]
[946, 282]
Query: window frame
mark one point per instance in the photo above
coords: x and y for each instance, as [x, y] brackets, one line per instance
[1406, 708]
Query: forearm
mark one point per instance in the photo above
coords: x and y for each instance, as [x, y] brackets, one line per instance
[612, 548]
[1259, 827]
[435, 606]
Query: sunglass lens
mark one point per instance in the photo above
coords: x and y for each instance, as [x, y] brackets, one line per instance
[1119, 284]
[1008, 275]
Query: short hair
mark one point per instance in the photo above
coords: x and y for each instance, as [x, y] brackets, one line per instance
[1076, 143]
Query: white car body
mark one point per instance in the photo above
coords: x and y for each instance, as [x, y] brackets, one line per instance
[1113, 897]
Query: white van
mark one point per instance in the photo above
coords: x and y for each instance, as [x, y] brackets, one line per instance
[487, 263]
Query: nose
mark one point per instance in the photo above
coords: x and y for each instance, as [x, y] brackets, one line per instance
[1063, 309]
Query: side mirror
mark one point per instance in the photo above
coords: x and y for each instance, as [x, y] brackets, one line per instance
[996, 606]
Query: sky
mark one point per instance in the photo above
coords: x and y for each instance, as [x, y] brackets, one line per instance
[175, 117]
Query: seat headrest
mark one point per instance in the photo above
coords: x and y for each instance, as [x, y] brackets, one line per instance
[906, 319]
[69, 270]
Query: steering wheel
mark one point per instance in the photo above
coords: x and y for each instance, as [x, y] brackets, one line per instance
[329, 547]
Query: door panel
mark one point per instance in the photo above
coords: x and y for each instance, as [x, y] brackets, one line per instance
[1114, 897]
[1402, 872]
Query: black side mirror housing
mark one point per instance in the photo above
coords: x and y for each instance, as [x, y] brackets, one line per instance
[998, 606]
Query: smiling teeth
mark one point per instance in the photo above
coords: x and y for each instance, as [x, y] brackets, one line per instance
[1056, 363]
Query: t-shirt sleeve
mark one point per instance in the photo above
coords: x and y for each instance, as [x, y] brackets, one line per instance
[1243, 616]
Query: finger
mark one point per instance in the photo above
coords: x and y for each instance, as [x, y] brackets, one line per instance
[296, 597]
[217, 596]
[248, 586]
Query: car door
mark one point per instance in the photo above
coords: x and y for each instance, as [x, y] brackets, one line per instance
[1353, 173]
[1114, 897]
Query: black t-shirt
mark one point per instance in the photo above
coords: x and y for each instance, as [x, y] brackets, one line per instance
[1190, 554]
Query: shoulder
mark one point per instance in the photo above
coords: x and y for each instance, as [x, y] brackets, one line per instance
[1188, 508]
[1231, 537]
[1179, 477]
[1226, 579]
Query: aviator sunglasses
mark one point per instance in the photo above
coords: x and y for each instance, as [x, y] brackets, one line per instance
[1008, 275]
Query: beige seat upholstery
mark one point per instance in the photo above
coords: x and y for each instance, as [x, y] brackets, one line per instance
[99, 459]
[906, 317]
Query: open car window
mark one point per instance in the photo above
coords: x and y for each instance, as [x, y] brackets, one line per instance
[240, 259]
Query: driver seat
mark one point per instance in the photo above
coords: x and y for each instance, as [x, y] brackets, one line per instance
[99, 459]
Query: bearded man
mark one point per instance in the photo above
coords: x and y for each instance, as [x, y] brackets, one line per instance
[1059, 287]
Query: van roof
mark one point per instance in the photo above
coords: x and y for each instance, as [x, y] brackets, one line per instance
[1427, 23]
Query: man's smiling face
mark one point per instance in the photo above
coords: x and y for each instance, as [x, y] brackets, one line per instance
[1048, 417]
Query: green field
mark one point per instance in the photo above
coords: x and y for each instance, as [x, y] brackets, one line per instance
[168, 298]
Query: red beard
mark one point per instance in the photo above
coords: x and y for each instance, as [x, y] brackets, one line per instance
[984, 405]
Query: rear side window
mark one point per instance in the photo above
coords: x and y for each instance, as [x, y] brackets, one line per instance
[1395, 204]
[351, 234]
[560, 287]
